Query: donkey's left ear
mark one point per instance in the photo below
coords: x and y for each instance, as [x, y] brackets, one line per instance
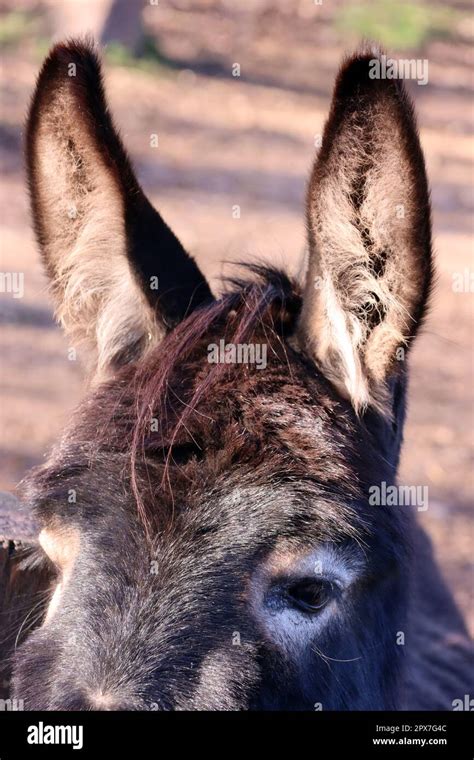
[368, 215]
[119, 275]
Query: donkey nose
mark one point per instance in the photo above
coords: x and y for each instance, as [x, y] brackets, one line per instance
[102, 700]
[85, 701]
[98, 699]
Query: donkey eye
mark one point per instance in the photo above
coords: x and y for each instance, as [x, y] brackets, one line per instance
[310, 595]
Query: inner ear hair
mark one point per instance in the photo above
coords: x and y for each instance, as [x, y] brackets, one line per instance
[101, 240]
[368, 216]
[78, 208]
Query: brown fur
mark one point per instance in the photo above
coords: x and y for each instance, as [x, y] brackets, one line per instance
[90, 215]
[369, 234]
[238, 486]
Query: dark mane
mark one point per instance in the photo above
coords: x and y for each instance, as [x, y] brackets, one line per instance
[173, 387]
[267, 305]
[170, 384]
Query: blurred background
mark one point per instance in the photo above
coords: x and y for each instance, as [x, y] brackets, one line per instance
[237, 93]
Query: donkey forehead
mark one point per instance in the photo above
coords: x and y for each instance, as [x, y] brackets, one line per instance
[282, 442]
[282, 397]
[292, 515]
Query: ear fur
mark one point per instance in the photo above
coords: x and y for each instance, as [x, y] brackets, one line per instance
[120, 277]
[368, 216]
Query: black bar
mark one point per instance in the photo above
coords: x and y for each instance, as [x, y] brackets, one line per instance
[158, 734]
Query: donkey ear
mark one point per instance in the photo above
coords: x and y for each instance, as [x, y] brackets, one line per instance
[120, 277]
[368, 215]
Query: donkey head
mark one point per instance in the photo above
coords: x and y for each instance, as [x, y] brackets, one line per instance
[209, 516]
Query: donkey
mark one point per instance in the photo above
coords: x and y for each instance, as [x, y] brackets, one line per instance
[210, 523]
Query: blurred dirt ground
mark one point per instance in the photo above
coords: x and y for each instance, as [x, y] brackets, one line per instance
[249, 141]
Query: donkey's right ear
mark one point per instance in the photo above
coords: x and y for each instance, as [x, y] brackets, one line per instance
[120, 277]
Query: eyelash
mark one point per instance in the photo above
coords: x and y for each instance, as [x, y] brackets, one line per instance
[310, 595]
[307, 595]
